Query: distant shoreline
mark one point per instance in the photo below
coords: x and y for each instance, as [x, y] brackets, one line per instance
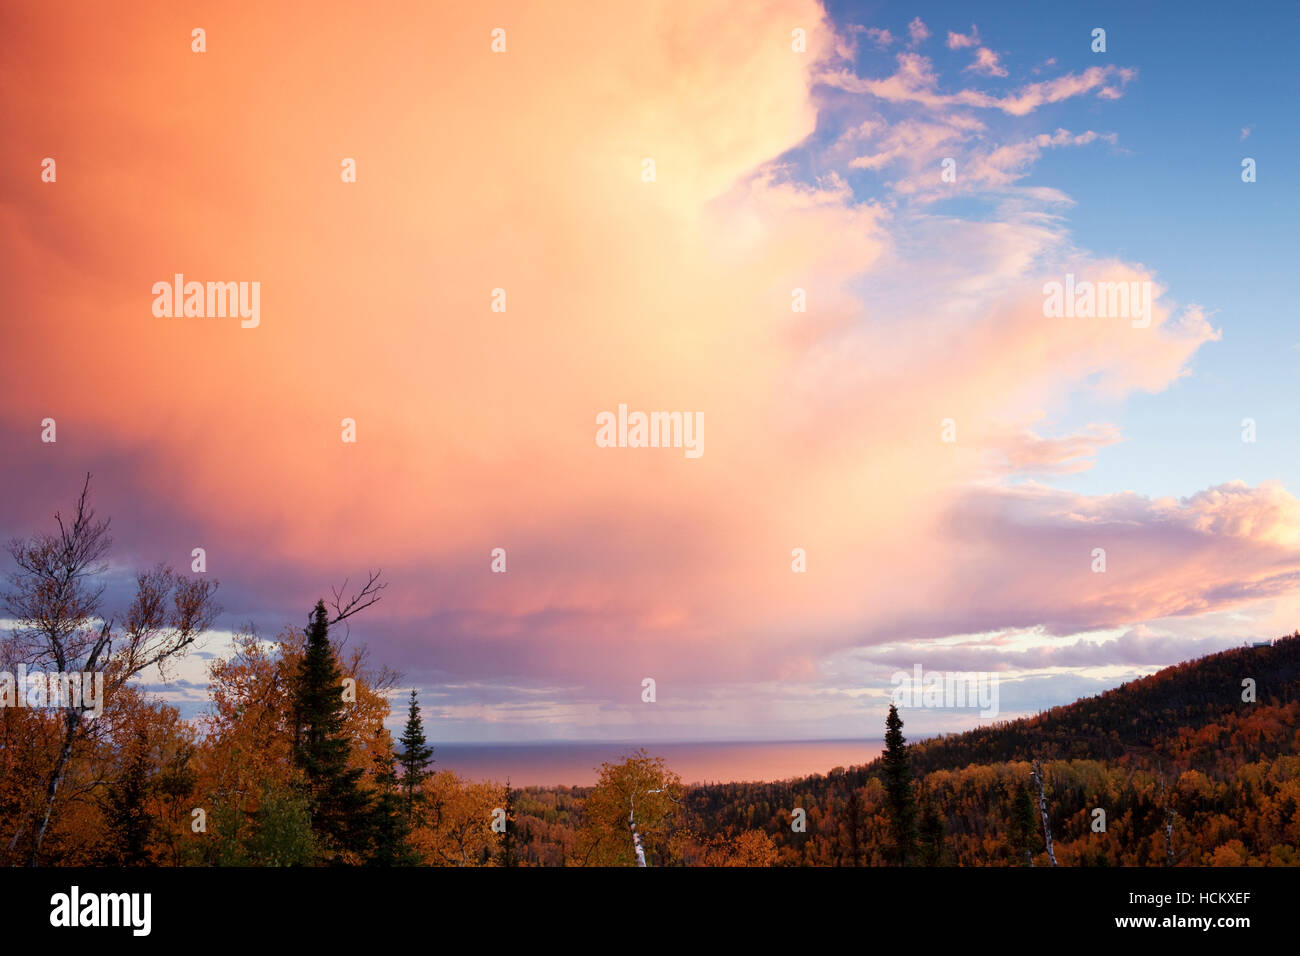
[570, 763]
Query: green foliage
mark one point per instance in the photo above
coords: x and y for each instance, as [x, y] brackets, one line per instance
[277, 833]
[282, 832]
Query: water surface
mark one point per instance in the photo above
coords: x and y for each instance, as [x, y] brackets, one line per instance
[576, 763]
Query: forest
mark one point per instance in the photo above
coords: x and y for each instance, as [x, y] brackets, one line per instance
[292, 764]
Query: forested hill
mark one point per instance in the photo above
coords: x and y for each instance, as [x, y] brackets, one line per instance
[1158, 716]
[1186, 770]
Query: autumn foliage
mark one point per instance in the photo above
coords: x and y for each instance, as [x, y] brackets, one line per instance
[292, 763]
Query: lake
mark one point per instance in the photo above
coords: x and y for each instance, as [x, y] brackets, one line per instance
[576, 763]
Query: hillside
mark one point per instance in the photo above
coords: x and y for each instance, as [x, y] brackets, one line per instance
[1185, 771]
[1151, 719]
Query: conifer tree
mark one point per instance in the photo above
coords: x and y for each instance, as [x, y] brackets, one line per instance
[390, 823]
[340, 809]
[900, 801]
[416, 759]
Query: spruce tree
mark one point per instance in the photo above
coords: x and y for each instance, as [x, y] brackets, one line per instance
[390, 826]
[900, 801]
[340, 808]
[416, 758]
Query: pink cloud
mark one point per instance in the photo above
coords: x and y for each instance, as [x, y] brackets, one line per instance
[981, 167]
[957, 41]
[880, 37]
[916, 141]
[1164, 557]
[915, 81]
[986, 63]
[1024, 451]
[917, 32]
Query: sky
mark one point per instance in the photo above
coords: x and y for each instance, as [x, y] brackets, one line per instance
[507, 266]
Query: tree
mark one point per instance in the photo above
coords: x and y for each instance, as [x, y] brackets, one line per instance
[753, 848]
[56, 599]
[1022, 827]
[507, 836]
[391, 826]
[129, 822]
[629, 815]
[900, 801]
[340, 808]
[416, 758]
[281, 834]
[851, 830]
[750, 848]
[931, 833]
[458, 831]
[1038, 778]
[249, 780]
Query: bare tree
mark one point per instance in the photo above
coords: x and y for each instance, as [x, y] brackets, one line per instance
[56, 597]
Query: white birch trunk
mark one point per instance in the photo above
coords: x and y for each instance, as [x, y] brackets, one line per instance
[1042, 809]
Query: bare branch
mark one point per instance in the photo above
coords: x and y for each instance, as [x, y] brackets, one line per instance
[368, 595]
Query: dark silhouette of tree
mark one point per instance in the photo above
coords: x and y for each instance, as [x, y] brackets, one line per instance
[126, 812]
[416, 758]
[900, 800]
[340, 809]
[931, 833]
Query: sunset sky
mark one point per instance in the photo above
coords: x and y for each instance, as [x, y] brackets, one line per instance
[774, 170]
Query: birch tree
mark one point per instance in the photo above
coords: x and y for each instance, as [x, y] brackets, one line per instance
[56, 598]
[629, 815]
[1042, 809]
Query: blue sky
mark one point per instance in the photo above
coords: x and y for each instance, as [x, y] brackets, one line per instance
[1168, 195]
